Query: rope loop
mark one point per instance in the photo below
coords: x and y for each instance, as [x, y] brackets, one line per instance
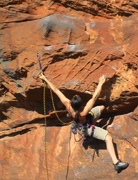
[53, 104]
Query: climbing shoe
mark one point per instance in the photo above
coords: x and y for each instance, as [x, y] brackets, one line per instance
[120, 166]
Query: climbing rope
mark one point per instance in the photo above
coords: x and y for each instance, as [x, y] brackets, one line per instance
[78, 139]
[44, 105]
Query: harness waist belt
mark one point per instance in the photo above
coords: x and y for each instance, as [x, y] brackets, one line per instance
[93, 127]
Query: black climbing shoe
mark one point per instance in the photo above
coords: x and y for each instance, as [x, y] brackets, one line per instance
[120, 166]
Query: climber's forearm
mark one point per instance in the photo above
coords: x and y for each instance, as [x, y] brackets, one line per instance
[51, 85]
[93, 99]
[61, 96]
[97, 92]
[99, 87]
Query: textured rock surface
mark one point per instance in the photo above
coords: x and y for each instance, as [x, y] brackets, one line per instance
[78, 41]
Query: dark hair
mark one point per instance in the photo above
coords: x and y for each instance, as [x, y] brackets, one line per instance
[76, 103]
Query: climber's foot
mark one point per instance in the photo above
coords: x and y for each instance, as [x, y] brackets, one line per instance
[120, 166]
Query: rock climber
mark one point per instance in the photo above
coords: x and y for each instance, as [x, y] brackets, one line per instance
[83, 115]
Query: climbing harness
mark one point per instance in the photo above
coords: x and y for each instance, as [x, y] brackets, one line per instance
[84, 127]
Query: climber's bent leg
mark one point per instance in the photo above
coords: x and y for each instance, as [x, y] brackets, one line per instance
[103, 134]
[96, 112]
[102, 107]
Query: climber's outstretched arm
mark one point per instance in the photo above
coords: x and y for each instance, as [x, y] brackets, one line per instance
[96, 94]
[61, 96]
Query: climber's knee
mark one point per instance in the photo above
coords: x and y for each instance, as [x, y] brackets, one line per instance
[102, 107]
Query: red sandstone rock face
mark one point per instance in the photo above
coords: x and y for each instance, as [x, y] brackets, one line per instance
[77, 43]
